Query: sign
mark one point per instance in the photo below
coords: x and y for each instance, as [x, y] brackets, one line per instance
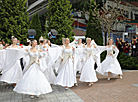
[125, 33]
[131, 29]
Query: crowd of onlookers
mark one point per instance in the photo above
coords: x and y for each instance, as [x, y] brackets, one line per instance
[4, 46]
[126, 47]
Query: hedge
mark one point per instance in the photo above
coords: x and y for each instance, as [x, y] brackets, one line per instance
[126, 62]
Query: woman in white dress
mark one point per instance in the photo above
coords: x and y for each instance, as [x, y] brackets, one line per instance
[110, 66]
[26, 58]
[67, 75]
[79, 53]
[49, 73]
[79, 45]
[34, 81]
[88, 73]
[14, 73]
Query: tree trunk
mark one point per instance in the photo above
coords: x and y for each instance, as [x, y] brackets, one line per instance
[105, 33]
[108, 33]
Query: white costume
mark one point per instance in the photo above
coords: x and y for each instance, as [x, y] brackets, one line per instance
[34, 81]
[26, 59]
[67, 74]
[79, 52]
[2, 58]
[57, 63]
[110, 64]
[12, 71]
[52, 55]
[88, 73]
[1, 47]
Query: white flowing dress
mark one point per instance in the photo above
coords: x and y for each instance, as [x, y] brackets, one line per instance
[88, 73]
[110, 64]
[2, 58]
[67, 74]
[14, 73]
[49, 73]
[34, 81]
[79, 52]
[26, 59]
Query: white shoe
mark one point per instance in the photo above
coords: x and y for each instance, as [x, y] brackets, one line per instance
[90, 84]
[120, 77]
[108, 79]
[37, 96]
[31, 97]
[76, 84]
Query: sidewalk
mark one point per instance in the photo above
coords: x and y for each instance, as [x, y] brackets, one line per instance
[59, 94]
[115, 90]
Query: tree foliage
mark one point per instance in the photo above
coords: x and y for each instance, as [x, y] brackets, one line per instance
[92, 31]
[14, 20]
[36, 24]
[60, 19]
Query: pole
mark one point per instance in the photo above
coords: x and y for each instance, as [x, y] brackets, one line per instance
[26, 3]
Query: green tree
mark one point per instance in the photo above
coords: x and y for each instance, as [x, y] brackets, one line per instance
[92, 31]
[60, 19]
[84, 5]
[43, 22]
[14, 20]
[36, 24]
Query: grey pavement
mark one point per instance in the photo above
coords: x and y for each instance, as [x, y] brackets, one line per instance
[59, 94]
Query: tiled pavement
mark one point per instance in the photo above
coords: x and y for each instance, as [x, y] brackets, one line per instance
[115, 90]
[59, 94]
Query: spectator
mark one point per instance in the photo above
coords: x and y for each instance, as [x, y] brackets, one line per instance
[18, 43]
[126, 48]
[137, 43]
[121, 44]
[6, 46]
[134, 49]
[3, 43]
[117, 43]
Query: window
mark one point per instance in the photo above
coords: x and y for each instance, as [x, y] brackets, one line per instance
[136, 16]
[131, 15]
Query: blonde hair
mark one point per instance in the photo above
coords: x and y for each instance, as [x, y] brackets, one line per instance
[33, 41]
[79, 39]
[64, 39]
[88, 39]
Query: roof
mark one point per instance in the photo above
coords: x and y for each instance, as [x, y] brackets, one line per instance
[133, 22]
[126, 3]
[134, 3]
[79, 32]
[122, 2]
[76, 23]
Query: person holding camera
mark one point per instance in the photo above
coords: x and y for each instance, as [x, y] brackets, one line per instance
[134, 49]
[126, 48]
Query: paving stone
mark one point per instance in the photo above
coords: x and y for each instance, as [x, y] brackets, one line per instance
[115, 90]
[59, 94]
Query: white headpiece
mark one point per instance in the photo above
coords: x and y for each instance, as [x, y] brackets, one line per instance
[28, 40]
[12, 37]
[41, 38]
